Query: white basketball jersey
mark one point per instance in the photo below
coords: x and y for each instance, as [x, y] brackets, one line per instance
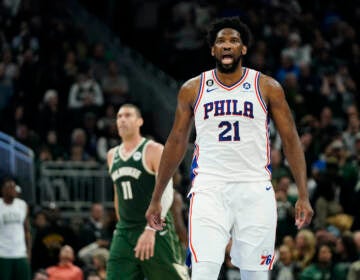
[12, 235]
[232, 135]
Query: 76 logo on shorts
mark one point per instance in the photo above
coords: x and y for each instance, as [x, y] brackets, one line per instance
[266, 259]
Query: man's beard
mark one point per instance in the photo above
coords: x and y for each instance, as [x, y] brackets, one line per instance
[229, 68]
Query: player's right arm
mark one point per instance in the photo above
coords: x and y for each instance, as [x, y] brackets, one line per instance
[174, 149]
[110, 156]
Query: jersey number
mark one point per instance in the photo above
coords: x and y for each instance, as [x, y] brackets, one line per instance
[127, 191]
[226, 134]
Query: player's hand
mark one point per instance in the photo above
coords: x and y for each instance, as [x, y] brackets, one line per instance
[144, 248]
[303, 213]
[153, 216]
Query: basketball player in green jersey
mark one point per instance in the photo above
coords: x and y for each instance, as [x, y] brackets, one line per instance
[137, 251]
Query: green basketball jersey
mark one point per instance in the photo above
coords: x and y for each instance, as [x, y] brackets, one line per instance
[134, 186]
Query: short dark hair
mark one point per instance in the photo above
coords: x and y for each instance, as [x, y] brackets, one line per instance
[133, 106]
[229, 22]
[6, 179]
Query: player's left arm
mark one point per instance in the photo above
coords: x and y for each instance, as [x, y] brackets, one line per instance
[144, 248]
[280, 112]
[153, 154]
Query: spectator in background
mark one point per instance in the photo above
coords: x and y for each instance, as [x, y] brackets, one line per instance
[51, 117]
[11, 68]
[286, 268]
[50, 239]
[70, 68]
[65, 269]
[278, 168]
[41, 274]
[345, 254]
[85, 95]
[109, 140]
[326, 204]
[115, 86]
[6, 88]
[99, 261]
[352, 129]
[92, 134]
[98, 61]
[321, 267]
[94, 233]
[78, 150]
[15, 238]
[305, 247]
[285, 210]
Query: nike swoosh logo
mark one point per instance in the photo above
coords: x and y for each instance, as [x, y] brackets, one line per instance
[162, 233]
[210, 89]
[268, 188]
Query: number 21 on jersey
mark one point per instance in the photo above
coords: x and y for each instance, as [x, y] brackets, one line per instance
[230, 131]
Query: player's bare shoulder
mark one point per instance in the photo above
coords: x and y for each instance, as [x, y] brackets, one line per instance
[189, 90]
[270, 89]
[154, 147]
[153, 154]
[110, 156]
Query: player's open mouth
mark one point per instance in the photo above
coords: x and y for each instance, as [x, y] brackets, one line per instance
[227, 59]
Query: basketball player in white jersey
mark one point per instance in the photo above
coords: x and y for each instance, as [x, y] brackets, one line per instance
[231, 194]
[15, 240]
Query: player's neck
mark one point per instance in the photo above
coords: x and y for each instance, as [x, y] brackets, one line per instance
[230, 78]
[8, 200]
[129, 144]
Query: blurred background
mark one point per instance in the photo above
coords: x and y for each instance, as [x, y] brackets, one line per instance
[66, 67]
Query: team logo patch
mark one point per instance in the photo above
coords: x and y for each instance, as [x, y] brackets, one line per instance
[266, 258]
[246, 85]
[137, 156]
[209, 82]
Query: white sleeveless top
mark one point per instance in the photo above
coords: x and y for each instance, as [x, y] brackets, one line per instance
[12, 234]
[232, 132]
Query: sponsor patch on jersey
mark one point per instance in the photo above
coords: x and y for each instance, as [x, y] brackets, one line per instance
[137, 156]
[209, 82]
[246, 85]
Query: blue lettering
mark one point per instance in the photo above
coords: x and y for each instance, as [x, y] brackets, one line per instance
[219, 108]
[208, 107]
[248, 109]
[229, 107]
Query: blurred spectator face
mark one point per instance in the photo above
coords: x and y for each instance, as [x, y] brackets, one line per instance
[40, 220]
[325, 254]
[52, 137]
[97, 212]
[66, 254]
[276, 157]
[77, 153]
[113, 69]
[9, 189]
[70, 57]
[285, 255]
[326, 116]
[78, 137]
[289, 241]
[99, 51]
[2, 70]
[41, 275]
[283, 184]
[357, 240]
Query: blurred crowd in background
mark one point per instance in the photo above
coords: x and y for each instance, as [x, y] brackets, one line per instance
[59, 95]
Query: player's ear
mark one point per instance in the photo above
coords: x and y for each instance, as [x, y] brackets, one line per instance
[140, 121]
[244, 50]
[212, 51]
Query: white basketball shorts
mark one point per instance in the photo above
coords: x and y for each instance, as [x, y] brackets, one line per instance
[245, 212]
